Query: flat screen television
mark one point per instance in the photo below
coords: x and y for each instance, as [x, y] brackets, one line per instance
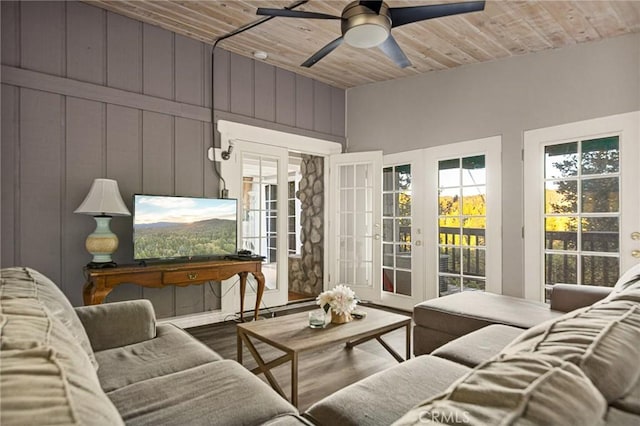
[170, 227]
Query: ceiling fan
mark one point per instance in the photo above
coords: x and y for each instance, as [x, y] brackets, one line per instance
[368, 24]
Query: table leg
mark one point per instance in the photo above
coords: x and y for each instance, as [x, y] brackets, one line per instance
[294, 379]
[408, 342]
[243, 289]
[95, 291]
[263, 367]
[239, 347]
[261, 284]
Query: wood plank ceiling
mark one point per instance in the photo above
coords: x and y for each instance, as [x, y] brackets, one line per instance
[503, 29]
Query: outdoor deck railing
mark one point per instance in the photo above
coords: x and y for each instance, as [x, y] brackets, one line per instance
[472, 260]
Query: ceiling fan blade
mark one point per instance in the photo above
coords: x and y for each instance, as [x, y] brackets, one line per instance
[391, 48]
[407, 15]
[286, 13]
[373, 5]
[323, 52]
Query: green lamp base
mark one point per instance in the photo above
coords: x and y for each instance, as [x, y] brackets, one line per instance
[102, 243]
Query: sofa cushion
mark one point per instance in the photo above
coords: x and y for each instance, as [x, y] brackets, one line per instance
[45, 376]
[20, 282]
[479, 346]
[630, 401]
[384, 397]
[288, 420]
[617, 417]
[217, 393]
[526, 389]
[461, 313]
[170, 351]
[569, 297]
[601, 339]
[129, 322]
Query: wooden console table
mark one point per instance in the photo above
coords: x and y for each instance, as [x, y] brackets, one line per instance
[100, 282]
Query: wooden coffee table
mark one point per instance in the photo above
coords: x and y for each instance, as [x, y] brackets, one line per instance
[292, 335]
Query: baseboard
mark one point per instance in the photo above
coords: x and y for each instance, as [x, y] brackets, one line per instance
[195, 320]
[214, 317]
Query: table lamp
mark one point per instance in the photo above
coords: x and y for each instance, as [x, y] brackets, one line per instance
[102, 202]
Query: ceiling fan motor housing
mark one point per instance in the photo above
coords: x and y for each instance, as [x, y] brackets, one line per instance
[362, 27]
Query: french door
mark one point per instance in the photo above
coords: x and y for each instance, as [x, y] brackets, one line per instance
[463, 212]
[256, 175]
[355, 228]
[402, 229]
[582, 214]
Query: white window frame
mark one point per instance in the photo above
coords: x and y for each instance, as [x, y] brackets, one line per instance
[627, 127]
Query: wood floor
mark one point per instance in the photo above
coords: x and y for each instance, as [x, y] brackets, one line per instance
[320, 373]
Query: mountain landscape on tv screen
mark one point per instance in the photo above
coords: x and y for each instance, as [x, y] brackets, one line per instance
[162, 240]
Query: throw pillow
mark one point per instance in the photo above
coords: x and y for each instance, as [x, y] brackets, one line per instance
[19, 282]
[522, 389]
[602, 340]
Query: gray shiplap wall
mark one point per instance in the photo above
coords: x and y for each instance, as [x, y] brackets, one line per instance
[87, 93]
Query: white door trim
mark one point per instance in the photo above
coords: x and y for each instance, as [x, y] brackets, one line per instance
[230, 131]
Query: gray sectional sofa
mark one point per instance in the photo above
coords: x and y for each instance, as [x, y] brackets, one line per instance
[500, 360]
[111, 364]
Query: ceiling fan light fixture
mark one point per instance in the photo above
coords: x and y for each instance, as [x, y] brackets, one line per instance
[366, 35]
[363, 28]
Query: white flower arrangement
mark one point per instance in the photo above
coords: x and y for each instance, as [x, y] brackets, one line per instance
[341, 300]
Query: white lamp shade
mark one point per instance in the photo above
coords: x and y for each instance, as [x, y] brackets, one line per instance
[103, 199]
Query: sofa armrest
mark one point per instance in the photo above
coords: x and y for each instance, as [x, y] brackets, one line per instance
[112, 325]
[568, 297]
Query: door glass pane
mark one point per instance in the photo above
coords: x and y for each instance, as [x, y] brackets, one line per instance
[469, 284]
[561, 196]
[600, 156]
[600, 195]
[600, 234]
[582, 220]
[448, 285]
[561, 233]
[362, 175]
[449, 173]
[387, 179]
[473, 231]
[449, 201]
[403, 256]
[561, 268]
[474, 201]
[561, 160]
[356, 225]
[387, 255]
[462, 200]
[388, 280]
[474, 171]
[403, 283]
[396, 232]
[600, 270]
[347, 199]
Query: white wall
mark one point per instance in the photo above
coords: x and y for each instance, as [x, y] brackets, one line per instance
[504, 97]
